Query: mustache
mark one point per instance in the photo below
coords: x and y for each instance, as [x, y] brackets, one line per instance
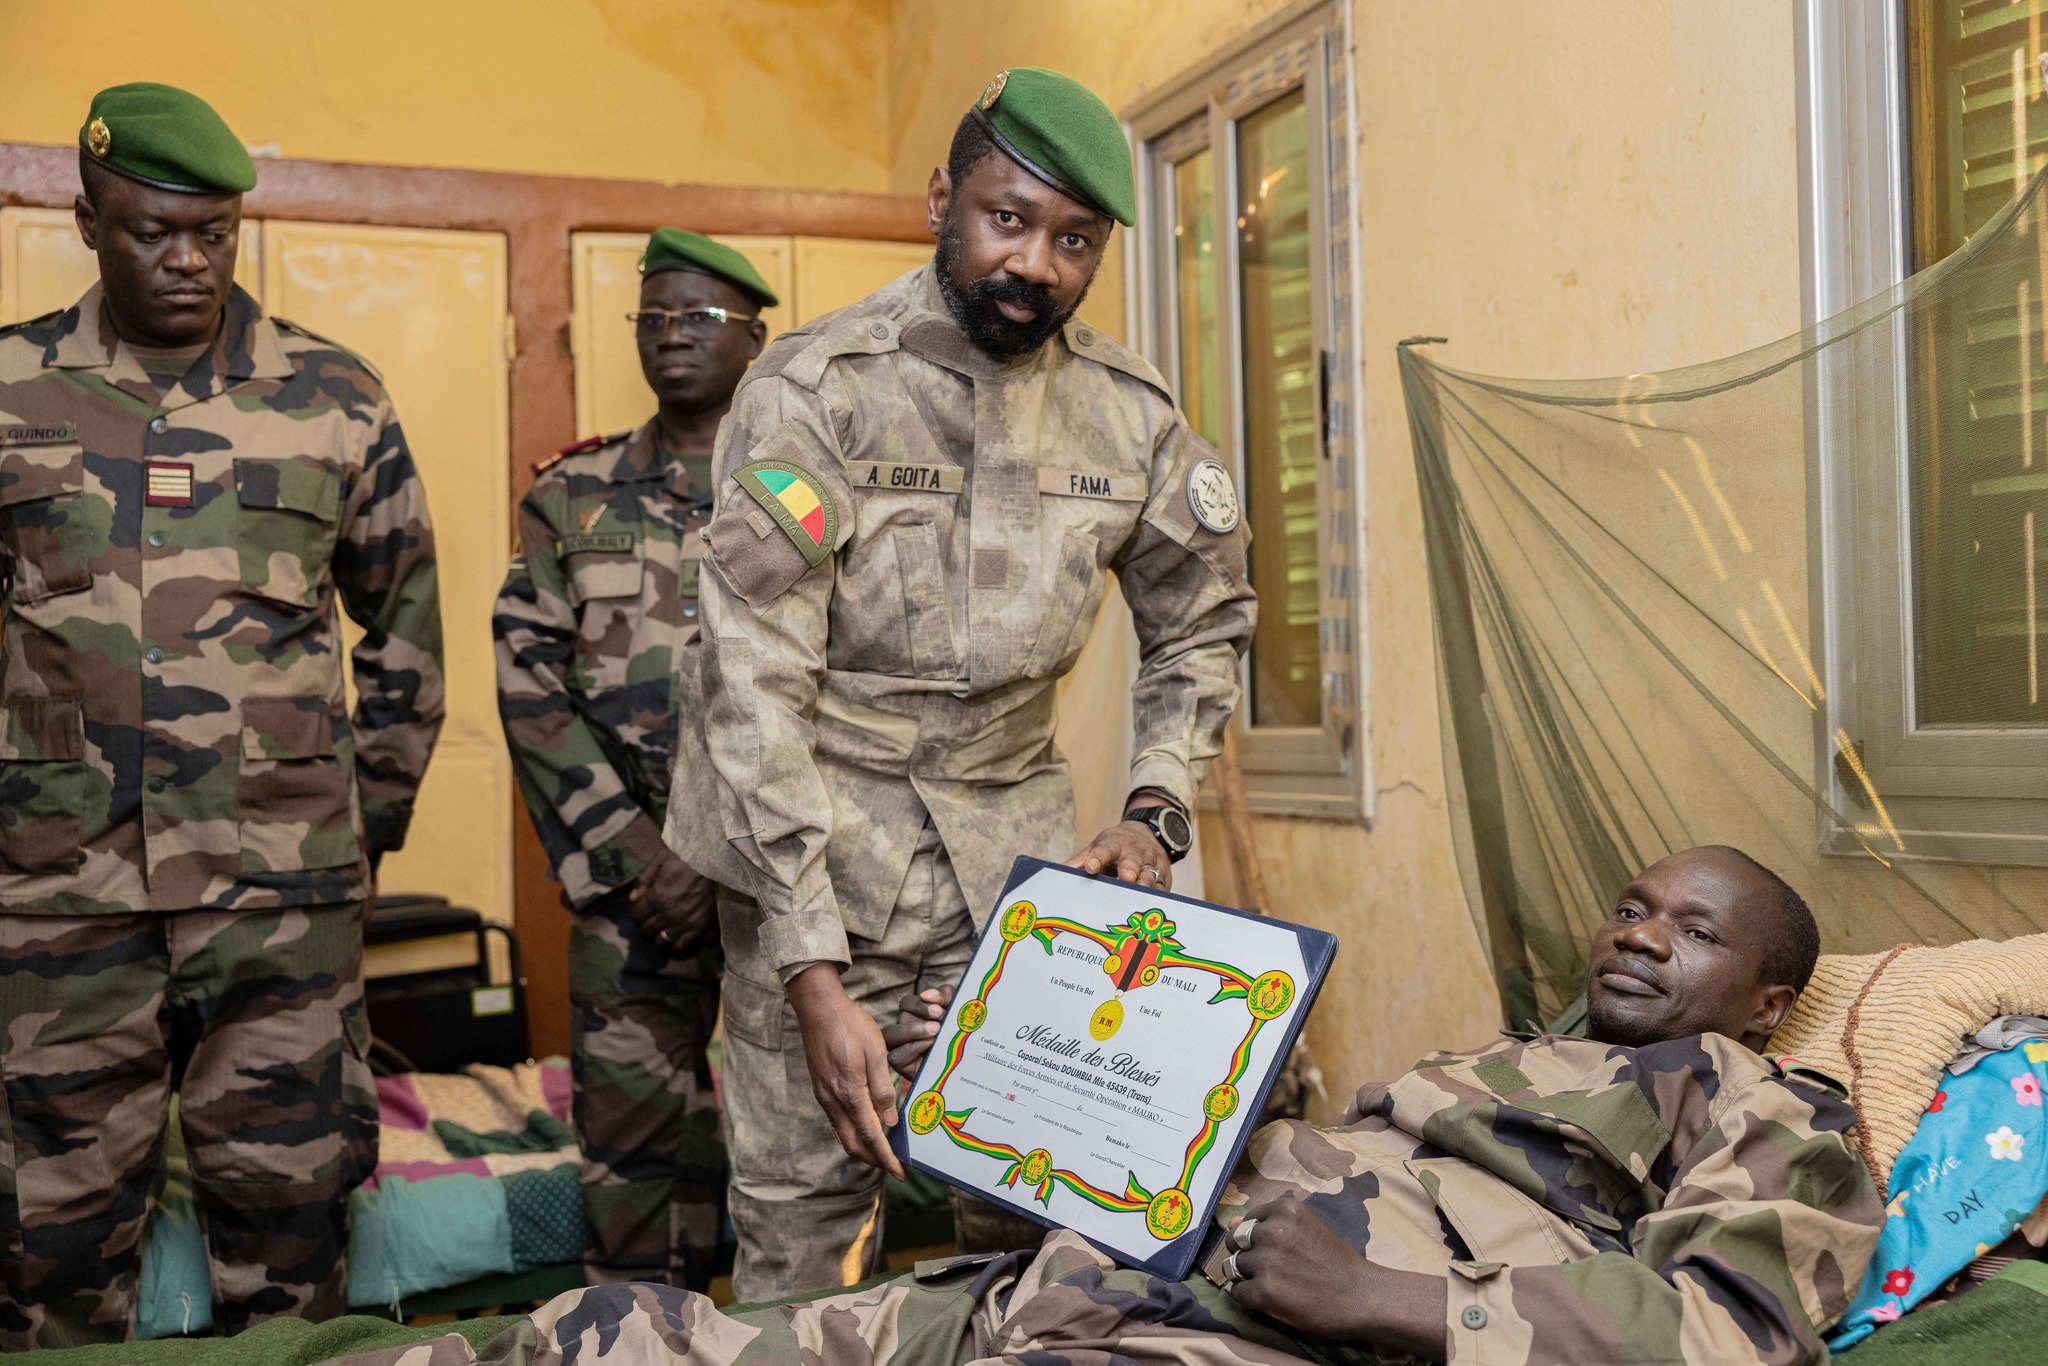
[1628, 966]
[1009, 289]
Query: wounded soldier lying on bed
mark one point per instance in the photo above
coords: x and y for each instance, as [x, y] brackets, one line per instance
[1659, 1192]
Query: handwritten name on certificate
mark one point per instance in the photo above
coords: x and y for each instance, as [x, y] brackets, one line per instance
[1104, 1053]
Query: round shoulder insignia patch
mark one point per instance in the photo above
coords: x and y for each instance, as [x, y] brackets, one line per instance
[994, 90]
[99, 139]
[1212, 496]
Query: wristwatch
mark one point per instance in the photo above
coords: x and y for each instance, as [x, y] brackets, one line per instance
[1171, 828]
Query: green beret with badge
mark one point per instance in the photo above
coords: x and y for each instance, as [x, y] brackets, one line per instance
[675, 249]
[1061, 131]
[167, 138]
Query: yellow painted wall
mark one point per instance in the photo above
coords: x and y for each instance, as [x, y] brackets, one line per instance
[1576, 187]
[743, 92]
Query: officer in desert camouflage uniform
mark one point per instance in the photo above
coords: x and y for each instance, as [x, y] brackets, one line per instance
[919, 498]
[189, 817]
[590, 626]
[1660, 1192]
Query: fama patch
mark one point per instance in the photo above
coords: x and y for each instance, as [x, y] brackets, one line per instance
[798, 501]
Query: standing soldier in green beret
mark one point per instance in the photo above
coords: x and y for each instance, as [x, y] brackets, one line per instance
[919, 497]
[190, 819]
[590, 626]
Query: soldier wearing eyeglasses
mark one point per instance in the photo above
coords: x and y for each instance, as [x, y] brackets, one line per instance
[601, 599]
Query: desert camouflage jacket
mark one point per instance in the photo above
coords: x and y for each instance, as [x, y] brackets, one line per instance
[1686, 1202]
[173, 729]
[910, 546]
[593, 617]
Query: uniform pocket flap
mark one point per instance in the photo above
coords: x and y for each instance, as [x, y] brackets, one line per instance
[289, 486]
[41, 728]
[1497, 1222]
[31, 472]
[287, 728]
[604, 576]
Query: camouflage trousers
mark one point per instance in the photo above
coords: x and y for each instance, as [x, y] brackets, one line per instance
[256, 1019]
[646, 1110]
[1066, 1305]
[808, 1216]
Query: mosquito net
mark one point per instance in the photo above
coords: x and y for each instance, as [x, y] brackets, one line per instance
[1785, 601]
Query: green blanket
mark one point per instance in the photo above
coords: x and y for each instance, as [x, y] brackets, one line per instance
[280, 1342]
[2001, 1323]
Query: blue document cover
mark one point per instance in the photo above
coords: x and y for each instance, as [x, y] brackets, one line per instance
[1106, 1057]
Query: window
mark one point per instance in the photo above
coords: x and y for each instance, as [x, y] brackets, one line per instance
[1245, 281]
[1920, 120]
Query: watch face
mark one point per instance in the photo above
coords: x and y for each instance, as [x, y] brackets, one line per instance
[1174, 826]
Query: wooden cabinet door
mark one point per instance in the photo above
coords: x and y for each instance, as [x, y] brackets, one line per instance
[427, 309]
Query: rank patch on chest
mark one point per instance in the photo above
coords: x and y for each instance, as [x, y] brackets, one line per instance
[798, 501]
[879, 474]
[168, 484]
[1117, 488]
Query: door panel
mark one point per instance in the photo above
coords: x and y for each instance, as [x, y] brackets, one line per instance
[611, 396]
[832, 272]
[427, 309]
[45, 266]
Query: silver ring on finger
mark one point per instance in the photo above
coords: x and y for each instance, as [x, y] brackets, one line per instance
[1230, 1270]
[1148, 868]
[1241, 1236]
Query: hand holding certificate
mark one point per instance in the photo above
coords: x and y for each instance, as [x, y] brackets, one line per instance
[1105, 1057]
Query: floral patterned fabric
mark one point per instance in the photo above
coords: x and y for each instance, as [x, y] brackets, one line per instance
[1974, 1170]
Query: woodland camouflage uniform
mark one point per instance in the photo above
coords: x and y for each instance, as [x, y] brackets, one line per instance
[1687, 1203]
[879, 708]
[188, 814]
[590, 626]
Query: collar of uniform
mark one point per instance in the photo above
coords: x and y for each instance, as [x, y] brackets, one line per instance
[931, 333]
[248, 347]
[639, 458]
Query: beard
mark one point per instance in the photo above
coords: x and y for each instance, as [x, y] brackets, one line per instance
[973, 303]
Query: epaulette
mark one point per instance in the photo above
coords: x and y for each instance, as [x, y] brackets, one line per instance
[310, 335]
[1085, 339]
[588, 443]
[1806, 1074]
[26, 323]
[809, 350]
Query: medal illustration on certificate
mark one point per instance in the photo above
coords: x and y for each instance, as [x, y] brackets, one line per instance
[1105, 1054]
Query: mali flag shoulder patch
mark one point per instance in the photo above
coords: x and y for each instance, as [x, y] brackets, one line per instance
[798, 501]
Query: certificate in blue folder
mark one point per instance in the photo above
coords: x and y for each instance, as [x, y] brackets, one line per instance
[1107, 1055]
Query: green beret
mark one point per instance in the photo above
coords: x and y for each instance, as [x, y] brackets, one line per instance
[166, 137]
[674, 249]
[1056, 128]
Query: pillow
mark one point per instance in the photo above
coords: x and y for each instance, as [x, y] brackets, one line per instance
[1886, 1024]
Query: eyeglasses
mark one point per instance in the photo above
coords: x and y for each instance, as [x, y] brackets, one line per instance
[695, 322]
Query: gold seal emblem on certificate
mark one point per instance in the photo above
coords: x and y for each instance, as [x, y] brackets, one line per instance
[1018, 920]
[1221, 1102]
[924, 1112]
[971, 1016]
[1037, 1164]
[1270, 995]
[1166, 1218]
[1107, 1019]
[1212, 496]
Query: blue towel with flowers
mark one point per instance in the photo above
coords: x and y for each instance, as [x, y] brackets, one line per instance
[1976, 1168]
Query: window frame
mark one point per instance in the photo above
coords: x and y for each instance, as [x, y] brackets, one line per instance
[1977, 794]
[1322, 770]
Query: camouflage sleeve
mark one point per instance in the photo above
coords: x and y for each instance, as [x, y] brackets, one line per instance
[1761, 1239]
[384, 568]
[596, 835]
[1193, 607]
[766, 613]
